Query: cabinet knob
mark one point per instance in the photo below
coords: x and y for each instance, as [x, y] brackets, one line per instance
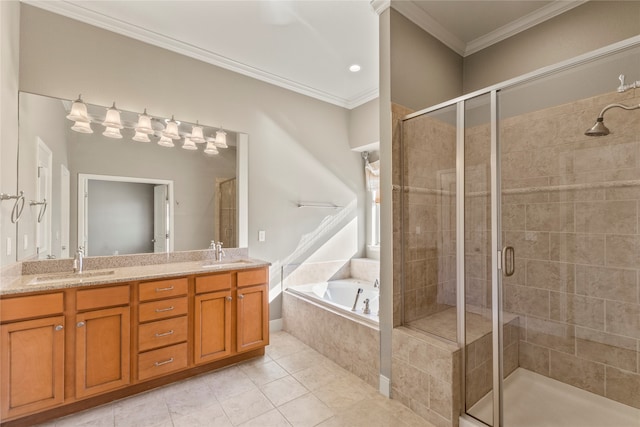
[59, 327]
[240, 296]
[229, 298]
[80, 324]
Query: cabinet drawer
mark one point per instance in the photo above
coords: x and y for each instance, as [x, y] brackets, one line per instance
[162, 361]
[252, 277]
[212, 283]
[162, 309]
[31, 306]
[90, 299]
[161, 333]
[162, 289]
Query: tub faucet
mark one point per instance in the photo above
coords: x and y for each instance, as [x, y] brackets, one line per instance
[219, 253]
[376, 284]
[78, 261]
[366, 309]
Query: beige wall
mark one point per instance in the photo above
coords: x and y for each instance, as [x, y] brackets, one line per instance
[298, 146]
[424, 71]
[590, 26]
[9, 66]
[363, 125]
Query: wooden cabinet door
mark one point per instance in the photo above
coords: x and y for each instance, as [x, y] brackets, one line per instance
[252, 318]
[32, 366]
[102, 350]
[212, 326]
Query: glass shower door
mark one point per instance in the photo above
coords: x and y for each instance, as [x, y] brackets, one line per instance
[479, 318]
[570, 208]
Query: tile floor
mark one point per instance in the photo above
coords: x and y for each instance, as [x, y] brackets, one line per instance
[292, 385]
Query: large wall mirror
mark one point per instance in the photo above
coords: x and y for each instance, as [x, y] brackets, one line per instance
[117, 196]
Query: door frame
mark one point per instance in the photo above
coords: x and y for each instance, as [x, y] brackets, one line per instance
[83, 206]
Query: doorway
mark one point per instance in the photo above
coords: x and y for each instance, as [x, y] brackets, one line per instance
[124, 215]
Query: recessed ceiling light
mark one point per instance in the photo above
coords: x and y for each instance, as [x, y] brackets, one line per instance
[354, 68]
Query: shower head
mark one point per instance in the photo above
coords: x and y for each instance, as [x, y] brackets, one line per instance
[599, 129]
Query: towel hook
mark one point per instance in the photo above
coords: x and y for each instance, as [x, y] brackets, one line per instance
[43, 208]
[18, 206]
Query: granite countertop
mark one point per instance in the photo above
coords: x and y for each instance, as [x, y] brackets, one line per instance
[62, 280]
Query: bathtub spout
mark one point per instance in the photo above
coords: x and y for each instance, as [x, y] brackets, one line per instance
[360, 290]
[376, 284]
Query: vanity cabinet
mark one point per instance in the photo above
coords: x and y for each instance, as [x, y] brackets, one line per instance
[252, 308]
[32, 358]
[163, 327]
[213, 317]
[223, 327]
[122, 339]
[102, 337]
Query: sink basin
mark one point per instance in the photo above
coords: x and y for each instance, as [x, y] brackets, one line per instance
[68, 277]
[226, 264]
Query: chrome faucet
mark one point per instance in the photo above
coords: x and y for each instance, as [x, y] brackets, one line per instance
[219, 253]
[78, 260]
[366, 309]
[376, 284]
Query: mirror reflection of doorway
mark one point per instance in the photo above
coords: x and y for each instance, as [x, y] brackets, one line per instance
[123, 215]
[65, 206]
[44, 181]
[227, 230]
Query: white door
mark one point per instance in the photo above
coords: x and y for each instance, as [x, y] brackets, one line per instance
[160, 218]
[43, 200]
[65, 207]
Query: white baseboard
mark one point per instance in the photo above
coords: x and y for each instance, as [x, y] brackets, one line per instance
[275, 325]
[385, 386]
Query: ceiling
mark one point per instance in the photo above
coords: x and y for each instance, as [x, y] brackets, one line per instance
[304, 46]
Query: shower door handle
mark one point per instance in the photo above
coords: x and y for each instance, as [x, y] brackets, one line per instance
[508, 260]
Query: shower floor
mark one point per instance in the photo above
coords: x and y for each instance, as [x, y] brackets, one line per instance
[533, 400]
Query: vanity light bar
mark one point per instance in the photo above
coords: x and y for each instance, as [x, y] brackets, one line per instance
[144, 129]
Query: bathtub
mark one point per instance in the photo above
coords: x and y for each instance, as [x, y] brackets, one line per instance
[319, 315]
[340, 295]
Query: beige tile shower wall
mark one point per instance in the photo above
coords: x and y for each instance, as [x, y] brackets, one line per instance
[571, 208]
[428, 156]
[477, 219]
[397, 112]
[479, 361]
[426, 376]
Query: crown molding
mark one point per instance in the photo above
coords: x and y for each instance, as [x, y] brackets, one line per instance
[79, 13]
[363, 98]
[380, 6]
[522, 24]
[422, 19]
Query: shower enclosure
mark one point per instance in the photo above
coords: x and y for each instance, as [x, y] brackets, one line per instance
[521, 241]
